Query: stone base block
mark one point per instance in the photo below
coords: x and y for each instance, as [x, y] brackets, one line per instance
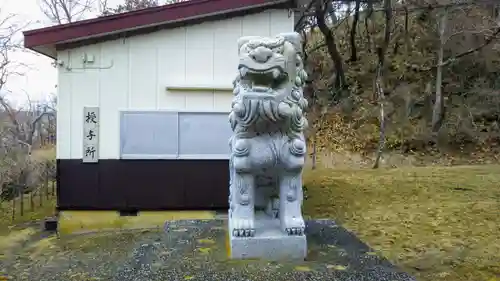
[269, 242]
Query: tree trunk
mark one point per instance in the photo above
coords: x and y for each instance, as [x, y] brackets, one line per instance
[40, 196]
[381, 99]
[46, 182]
[368, 16]
[21, 197]
[438, 109]
[354, 28]
[14, 208]
[407, 27]
[32, 201]
[314, 154]
[331, 45]
[330, 9]
[379, 80]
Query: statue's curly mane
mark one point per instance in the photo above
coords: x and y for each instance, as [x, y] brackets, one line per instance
[289, 110]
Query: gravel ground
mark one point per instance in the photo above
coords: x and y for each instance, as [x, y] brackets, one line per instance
[191, 250]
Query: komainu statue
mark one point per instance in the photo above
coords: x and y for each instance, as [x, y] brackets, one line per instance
[267, 147]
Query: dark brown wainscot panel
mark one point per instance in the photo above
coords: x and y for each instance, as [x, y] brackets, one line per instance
[114, 184]
[154, 184]
[206, 184]
[77, 184]
[111, 180]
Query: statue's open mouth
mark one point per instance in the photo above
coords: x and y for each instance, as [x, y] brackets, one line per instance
[262, 80]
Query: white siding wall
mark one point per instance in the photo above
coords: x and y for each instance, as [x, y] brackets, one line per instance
[134, 73]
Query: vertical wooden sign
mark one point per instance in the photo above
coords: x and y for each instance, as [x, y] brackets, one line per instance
[90, 135]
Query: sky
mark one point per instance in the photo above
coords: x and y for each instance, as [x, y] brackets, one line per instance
[39, 77]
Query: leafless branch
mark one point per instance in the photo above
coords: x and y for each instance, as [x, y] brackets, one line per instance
[66, 11]
[306, 11]
[103, 7]
[453, 59]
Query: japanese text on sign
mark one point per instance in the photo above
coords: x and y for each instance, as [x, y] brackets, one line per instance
[90, 135]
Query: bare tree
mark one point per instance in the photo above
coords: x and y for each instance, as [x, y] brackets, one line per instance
[10, 148]
[354, 28]
[8, 44]
[321, 10]
[22, 130]
[438, 110]
[132, 5]
[379, 90]
[19, 129]
[102, 7]
[444, 34]
[66, 11]
[25, 123]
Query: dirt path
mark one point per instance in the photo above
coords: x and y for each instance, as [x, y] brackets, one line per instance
[189, 250]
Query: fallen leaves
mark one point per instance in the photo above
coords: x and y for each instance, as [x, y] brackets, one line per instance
[38, 247]
[206, 241]
[303, 268]
[205, 251]
[336, 267]
[15, 237]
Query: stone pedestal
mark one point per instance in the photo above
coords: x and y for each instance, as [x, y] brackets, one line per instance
[269, 242]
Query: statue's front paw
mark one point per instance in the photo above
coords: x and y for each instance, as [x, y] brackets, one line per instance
[294, 226]
[243, 228]
[291, 195]
[244, 199]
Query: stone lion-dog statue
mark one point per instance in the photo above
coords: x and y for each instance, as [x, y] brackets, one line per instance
[267, 147]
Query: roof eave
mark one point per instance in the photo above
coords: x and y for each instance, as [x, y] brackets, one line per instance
[49, 50]
[38, 40]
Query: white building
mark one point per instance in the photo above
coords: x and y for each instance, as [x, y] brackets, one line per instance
[159, 81]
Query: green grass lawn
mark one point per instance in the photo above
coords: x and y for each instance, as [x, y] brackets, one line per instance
[438, 223]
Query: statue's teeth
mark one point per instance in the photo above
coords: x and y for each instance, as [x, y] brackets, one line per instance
[243, 71]
[276, 73]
